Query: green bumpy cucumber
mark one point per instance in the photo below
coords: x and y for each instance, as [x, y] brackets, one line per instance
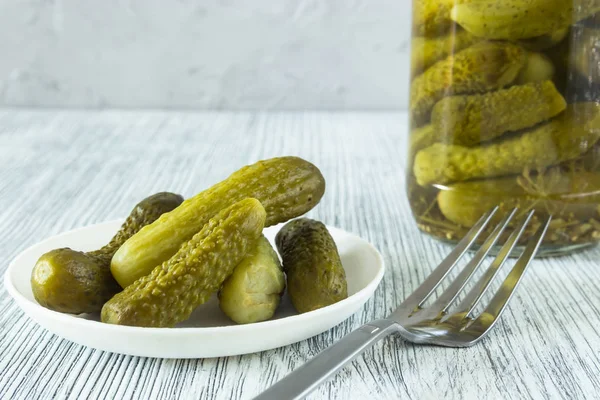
[480, 68]
[75, 282]
[427, 51]
[520, 19]
[565, 138]
[470, 120]
[253, 291]
[572, 196]
[432, 17]
[315, 275]
[170, 293]
[287, 187]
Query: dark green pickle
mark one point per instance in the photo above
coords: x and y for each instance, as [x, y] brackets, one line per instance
[77, 282]
[315, 275]
[173, 289]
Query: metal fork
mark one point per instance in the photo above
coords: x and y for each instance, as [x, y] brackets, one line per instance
[431, 324]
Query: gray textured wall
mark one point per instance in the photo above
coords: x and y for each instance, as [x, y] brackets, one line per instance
[218, 54]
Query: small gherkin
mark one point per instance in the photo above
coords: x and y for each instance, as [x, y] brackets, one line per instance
[470, 120]
[432, 17]
[465, 202]
[170, 293]
[315, 275]
[426, 51]
[538, 68]
[480, 68]
[520, 19]
[253, 291]
[565, 138]
[76, 282]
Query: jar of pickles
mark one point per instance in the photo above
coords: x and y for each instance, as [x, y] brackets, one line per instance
[504, 111]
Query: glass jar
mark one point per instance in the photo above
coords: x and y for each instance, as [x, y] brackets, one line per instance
[503, 111]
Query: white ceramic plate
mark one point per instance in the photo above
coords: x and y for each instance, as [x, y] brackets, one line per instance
[208, 333]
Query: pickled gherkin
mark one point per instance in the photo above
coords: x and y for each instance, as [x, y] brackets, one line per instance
[520, 19]
[170, 293]
[470, 120]
[528, 138]
[315, 275]
[76, 282]
[565, 138]
[465, 202]
[253, 291]
[538, 68]
[287, 187]
[426, 51]
[432, 17]
[480, 68]
[71, 281]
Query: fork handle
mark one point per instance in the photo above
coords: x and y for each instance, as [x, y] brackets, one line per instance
[308, 377]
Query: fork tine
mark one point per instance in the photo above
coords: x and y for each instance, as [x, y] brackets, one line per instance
[471, 300]
[419, 296]
[443, 302]
[503, 295]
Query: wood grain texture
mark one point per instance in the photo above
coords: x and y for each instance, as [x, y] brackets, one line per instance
[62, 170]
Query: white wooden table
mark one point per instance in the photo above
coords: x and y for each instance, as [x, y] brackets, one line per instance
[62, 170]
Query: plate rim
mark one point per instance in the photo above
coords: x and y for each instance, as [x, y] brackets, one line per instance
[24, 302]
